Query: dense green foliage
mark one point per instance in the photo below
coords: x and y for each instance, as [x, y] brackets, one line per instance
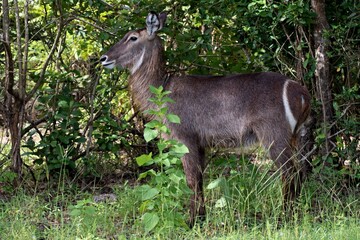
[78, 123]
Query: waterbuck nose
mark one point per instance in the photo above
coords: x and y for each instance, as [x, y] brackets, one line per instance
[103, 58]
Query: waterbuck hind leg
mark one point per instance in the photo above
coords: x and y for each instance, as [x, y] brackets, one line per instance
[291, 180]
[194, 164]
[284, 160]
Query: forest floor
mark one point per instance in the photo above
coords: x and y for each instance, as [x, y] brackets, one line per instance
[108, 209]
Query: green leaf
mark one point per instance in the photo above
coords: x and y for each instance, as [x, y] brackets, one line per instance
[150, 220]
[147, 205]
[63, 104]
[75, 212]
[90, 210]
[173, 118]
[167, 99]
[150, 134]
[161, 146]
[164, 129]
[166, 162]
[81, 140]
[152, 124]
[163, 110]
[180, 149]
[149, 194]
[145, 174]
[220, 203]
[214, 184]
[166, 93]
[155, 90]
[175, 178]
[151, 112]
[144, 159]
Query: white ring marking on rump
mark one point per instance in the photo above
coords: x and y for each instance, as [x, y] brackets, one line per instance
[289, 115]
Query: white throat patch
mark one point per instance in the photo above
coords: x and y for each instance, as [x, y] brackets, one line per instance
[138, 63]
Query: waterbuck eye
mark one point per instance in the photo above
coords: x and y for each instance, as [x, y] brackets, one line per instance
[133, 38]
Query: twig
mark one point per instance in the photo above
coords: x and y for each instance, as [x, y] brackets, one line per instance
[90, 123]
[33, 124]
[94, 25]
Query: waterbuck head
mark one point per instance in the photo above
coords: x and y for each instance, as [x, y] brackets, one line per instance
[141, 52]
[137, 47]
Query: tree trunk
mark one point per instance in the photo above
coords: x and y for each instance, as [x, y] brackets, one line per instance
[14, 94]
[10, 96]
[322, 73]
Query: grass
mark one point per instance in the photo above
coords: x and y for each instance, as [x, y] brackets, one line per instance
[243, 203]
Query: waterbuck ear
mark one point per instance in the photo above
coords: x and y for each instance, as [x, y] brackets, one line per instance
[154, 23]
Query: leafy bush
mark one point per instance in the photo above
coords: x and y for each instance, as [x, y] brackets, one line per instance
[61, 138]
[347, 140]
[344, 156]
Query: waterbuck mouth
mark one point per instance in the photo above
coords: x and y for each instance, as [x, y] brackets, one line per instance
[109, 65]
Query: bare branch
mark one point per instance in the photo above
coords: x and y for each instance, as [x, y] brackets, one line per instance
[9, 69]
[34, 124]
[26, 50]
[91, 119]
[94, 25]
[18, 41]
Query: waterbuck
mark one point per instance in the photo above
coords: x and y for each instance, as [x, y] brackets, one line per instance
[216, 111]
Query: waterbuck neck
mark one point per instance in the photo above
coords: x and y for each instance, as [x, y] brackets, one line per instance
[150, 70]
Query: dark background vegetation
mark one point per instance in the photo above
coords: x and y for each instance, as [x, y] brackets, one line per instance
[61, 113]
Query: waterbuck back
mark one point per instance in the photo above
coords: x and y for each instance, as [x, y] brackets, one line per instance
[216, 111]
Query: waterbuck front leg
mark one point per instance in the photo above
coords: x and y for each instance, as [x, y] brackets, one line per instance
[194, 164]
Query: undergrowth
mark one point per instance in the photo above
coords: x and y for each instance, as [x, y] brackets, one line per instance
[240, 204]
